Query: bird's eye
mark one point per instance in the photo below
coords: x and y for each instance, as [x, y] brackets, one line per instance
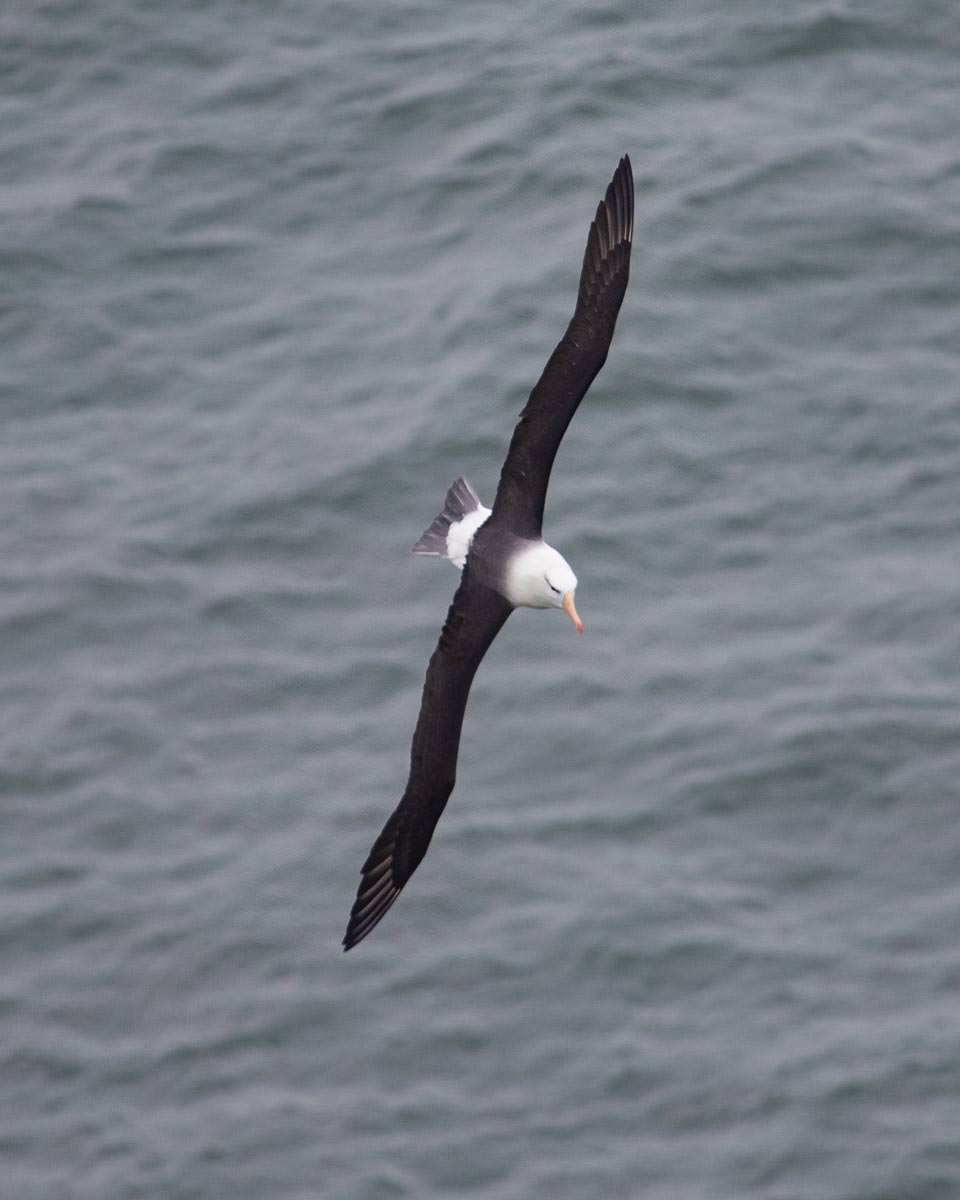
[551, 587]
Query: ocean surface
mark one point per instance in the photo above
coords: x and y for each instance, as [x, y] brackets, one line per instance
[271, 276]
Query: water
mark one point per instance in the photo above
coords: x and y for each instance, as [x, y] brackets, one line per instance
[272, 275]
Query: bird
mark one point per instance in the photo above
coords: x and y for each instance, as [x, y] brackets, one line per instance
[504, 561]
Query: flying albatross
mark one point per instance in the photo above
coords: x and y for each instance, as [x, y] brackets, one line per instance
[504, 559]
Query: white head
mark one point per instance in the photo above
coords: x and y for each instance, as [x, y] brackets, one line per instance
[540, 577]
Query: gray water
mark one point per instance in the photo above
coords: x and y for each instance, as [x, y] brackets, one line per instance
[271, 275]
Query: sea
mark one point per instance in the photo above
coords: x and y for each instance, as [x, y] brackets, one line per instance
[272, 275]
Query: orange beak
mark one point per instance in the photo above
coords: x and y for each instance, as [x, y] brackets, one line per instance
[571, 610]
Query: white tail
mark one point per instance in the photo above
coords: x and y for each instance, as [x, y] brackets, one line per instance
[451, 531]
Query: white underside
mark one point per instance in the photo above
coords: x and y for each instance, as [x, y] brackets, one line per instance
[460, 535]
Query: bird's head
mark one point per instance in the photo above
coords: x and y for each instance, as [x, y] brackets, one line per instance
[540, 577]
[562, 586]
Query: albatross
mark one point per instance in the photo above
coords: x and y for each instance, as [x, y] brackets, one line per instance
[504, 560]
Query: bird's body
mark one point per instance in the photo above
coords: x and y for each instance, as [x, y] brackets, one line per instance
[526, 563]
[505, 561]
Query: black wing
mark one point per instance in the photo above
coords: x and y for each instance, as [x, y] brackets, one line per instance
[575, 362]
[474, 620]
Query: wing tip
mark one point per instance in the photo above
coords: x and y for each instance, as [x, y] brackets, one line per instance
[381, 878]
[610, 238]
[375, 895]
[619, 199]
[359, 926]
